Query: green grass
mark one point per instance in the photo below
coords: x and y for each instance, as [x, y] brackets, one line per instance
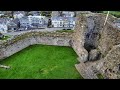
[41, 62]
[115, 13]
[65, 31]
[5, 38]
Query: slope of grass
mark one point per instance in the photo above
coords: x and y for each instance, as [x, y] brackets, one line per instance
[41, 62]
[115, 13]
[65, 31]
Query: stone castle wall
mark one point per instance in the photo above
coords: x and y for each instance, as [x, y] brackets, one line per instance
[97, 46]
[20, 42]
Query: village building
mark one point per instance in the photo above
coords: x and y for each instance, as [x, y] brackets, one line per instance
[18, 14]
[63, 22]
[68, 14]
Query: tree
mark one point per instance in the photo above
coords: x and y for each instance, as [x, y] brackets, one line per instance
[46, 13]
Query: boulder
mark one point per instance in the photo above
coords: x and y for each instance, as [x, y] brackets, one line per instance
[94, 55]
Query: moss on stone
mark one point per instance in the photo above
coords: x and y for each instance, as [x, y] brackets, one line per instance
[100, 76]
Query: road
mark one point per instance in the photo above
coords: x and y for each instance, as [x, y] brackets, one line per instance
[20, 32]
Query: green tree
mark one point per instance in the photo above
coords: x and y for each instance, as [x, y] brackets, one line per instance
[46, 13]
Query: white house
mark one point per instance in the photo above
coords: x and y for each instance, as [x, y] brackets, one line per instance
[35, 13]
[55, 14]
[3, 28]
[33, 21]
[38, 21]
[24, 22]
[3, 25]
[63, 22]
[68, 14]
[19, 14]
[13, 25]
[40, 17]
[57, 21]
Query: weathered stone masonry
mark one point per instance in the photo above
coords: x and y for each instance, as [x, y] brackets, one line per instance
[99, 44]
[20, 42]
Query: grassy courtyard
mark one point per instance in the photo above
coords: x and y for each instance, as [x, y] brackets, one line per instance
[41, 62]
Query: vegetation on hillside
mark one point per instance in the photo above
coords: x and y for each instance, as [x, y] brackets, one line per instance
[65, 31]
[115, 13]
[46, 13]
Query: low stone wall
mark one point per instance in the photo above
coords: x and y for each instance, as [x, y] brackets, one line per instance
[20, 42]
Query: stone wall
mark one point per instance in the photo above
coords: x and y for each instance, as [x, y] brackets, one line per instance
[78, 39]
[95, 45]
[110, 36]
[109, 66]
[20, 42]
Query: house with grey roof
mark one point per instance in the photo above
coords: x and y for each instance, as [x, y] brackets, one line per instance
[24, 23]
[68, 14]
[3, 28]
[35, 13]
[13, 25]
[63, 22]
[32, 22]
[37, 22]
[55, 14]
[18, 14]
[3, 25]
